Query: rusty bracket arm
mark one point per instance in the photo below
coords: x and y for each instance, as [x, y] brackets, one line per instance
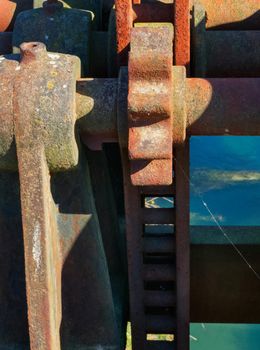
[43, 125]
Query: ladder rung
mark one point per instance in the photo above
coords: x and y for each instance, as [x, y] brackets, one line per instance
[160, 324]
[159, 272]
[161, 244]
[159, 298]
[158, 215]
[160, 345]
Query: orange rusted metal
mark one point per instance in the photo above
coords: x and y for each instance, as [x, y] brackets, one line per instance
[232, 14]
[177, 13]
[124, 23]
[182, 33]
[7, 10]
[150, 106]
[42, 126]
[128, 12]
[35, 145]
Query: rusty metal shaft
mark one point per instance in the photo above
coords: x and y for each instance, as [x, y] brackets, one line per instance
[214, 107]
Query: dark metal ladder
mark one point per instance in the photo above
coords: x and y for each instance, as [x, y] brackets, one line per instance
[158, 259]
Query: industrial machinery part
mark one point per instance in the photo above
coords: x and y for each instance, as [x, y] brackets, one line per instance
[73, 25]
[49, 234]
[236, 33]
[212, 108]
[151, 110]
[43, 24]
[241, 43]
[10, 10]
[128, 12]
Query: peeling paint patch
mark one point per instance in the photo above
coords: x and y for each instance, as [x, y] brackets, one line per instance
[36, 251]
[54, 56]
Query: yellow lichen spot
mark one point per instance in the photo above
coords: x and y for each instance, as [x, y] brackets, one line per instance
[54, 73]
[50, 84]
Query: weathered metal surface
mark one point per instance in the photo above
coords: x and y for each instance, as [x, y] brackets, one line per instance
[232, 14]
[128, 12]
[7, 9]
[182, 33]
[141, 317]
[40, 141]
[96, 111]
[224, 53]
[42, 260]
[150, 106]
[58, 29]
[42, 255]
[52, 230]
[8, 70]
[143, 266]
[213, 107]
[51, 105]
[179, 105]
[94, 6]
[124, 23]
[133, 227]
